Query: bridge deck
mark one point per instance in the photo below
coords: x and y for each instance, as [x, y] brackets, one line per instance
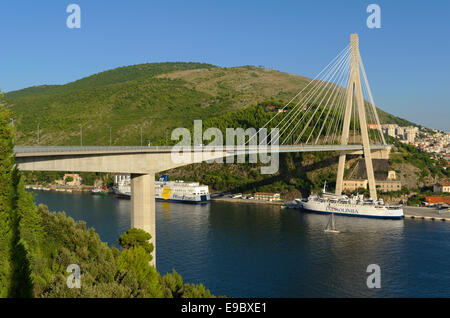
[36, 151]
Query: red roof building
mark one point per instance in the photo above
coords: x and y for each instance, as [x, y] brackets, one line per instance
[437, 200]
[265, 196]
[271, 108]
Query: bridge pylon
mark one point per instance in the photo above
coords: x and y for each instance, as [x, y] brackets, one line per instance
[355, 95]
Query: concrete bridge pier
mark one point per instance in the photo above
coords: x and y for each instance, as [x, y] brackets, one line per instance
[143, 206]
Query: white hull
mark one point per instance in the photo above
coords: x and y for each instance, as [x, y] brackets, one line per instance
[362, 210]
[172, 191]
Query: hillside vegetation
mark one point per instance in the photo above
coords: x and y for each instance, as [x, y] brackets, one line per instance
[37, 247]
[156, 97]
[161, 96]
[301, 173]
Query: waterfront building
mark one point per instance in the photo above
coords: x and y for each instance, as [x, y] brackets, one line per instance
[264, 196]
[443, 187]
[354, 184]
[437, 200]
[389, 184]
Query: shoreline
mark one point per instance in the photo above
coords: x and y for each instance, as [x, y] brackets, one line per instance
[410, 212]
[58, 188]
[248, 201]
[426, 213]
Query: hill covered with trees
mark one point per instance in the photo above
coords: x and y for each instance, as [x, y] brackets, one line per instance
[156, 97]
[37, 247]
[301, 173]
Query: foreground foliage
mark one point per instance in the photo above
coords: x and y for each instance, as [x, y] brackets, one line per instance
[37, 246]
[105, 271]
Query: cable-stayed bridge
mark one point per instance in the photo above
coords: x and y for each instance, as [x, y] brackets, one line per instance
[335, 111]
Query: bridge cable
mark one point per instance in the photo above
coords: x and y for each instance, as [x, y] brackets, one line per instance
[311, 94]
[312, 81]
[363, 71]
[335, 102]
[333, 90]
[332, 129]
[311, 118]
[315, 95]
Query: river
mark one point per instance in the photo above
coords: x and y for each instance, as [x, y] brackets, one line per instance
[246, 250]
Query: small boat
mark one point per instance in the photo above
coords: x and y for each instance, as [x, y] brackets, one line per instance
[100, 191]
[331, 226]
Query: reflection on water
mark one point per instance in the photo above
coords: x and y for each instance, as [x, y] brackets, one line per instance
[246, 250]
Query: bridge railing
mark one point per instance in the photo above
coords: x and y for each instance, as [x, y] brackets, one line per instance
[245, 148]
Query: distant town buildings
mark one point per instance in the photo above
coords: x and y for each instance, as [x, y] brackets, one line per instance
[433, 141]
[443, 187]
[405, 134]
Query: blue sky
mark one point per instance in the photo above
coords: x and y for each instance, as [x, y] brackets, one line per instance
[406, 60]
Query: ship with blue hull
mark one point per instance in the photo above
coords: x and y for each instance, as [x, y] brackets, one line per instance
[355, 205]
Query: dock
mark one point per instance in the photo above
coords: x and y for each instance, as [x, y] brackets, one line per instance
[424, 213]
[253, 201]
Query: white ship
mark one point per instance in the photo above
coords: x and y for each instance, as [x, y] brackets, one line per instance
[354, 205]
[165, 190]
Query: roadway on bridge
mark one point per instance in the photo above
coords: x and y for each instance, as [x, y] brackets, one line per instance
[36, 151]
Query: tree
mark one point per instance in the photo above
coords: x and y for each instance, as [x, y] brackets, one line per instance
[196, 291]
[134, 238]
[69, 179]
[136, 260]
[6, 198]
[172, 285]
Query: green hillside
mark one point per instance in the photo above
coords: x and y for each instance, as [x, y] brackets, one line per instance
[37, 248]
[157, 97]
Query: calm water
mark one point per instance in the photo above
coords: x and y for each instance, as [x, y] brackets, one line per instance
[244, 250]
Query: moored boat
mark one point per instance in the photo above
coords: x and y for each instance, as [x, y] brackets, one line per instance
[171, 191]
[100, 190]
[354, 205]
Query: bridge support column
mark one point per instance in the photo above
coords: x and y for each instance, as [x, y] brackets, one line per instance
[354, 92]
[143, 206]
[340, 173]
